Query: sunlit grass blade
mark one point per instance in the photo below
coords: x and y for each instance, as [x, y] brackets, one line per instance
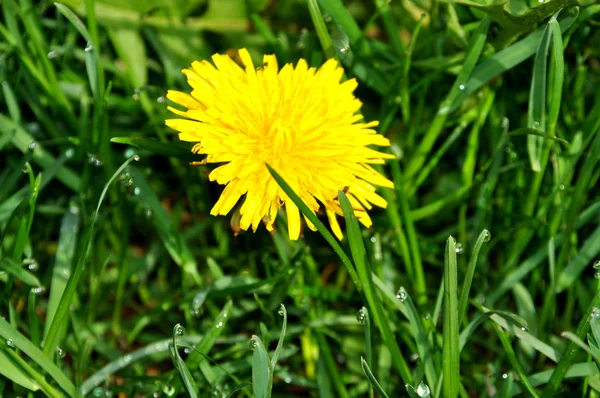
[319, 226]
[12, 371]
[321, 28]
[19, 272]
[451, 350]
[283, 312]
[262, 373]
[357, 247]
[9, 333]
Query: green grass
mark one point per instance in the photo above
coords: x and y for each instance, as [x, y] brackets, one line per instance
[477, 280]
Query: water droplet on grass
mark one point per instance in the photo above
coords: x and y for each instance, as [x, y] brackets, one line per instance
[69, 153]
[402, 295]
[179, 330]
[253, 344]
[33, 266]
[504, 375]
[597, 264]
[137, 191]
[361, 315]
[38, 290]
[10, 343]
[423, 390]
[160, 99]
[60, 352]
[461, 87]
[595, 313]
[487, 236]
[597, 275]
[52, 54]
[414, 357]
[169, 390]
[458, 248]
[89, 48]
[281, 311]
[33, 145]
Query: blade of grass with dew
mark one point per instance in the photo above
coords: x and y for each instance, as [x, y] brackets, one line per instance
[177, 149]
[210, 337]
[512, 357]
[16, 270]
[474, 50]
[262, 374]
[8, 332]
[404, 79]
[363, 315]
[372, 380]
[484, 236]
[451, 351]
[585, 255]
[63, 263]
[508, 58]
[186, 377]
[568, 355]
[319, 226]
[406, 306]
[48, 389]
[283, 312]
[321, 28]
[357, 248]
[22, 140]
[53, 336]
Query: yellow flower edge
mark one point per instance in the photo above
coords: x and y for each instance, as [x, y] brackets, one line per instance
[302, 121]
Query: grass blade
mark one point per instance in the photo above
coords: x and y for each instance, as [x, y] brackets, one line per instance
[484, 236]
[372, 379]
[451, 350]
[261, 369]
[186, 377]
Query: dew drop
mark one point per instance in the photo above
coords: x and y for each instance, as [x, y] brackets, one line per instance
[423, 390]
[487, 236]
[281, 311]
[98, 392]
[137, 191]
[253, 344]
[9, 342]
[504, 123]
[196, 312]
[25, 169]
[60, 352]
[597, 274]
[136, 96]
[89, 48]
[126, 179]
[414, 357]
[169, 390]
[458, 248]
[219, 325]
[160, 99]
[361, 315]
[402, 295]
[373, 239]
[73, 209]
[597, 264]
[38, 290]
[427, 316]
[461, 87]
[179, 330]
[69, 153]
[33, 145]
[287, 379]
[561, 187]
[504, 375]
[52, 54]
[148, 213]
[595, 315]
[536, 124]
[155, 394]
[524, 328]
[345, 49]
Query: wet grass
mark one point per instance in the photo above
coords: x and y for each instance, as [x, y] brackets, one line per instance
[477, 280]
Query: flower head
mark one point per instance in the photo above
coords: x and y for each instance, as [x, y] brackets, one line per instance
[302, 121]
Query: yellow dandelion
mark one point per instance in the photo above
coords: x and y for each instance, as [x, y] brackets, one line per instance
[301, 121]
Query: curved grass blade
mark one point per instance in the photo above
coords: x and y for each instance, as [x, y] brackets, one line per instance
[62, 310]
[372, 379]
[186, 377]
[19, 272]
[512, 357]
[484, 236]
[283, 312]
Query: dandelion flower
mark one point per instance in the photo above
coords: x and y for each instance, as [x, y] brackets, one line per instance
[302, 121]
